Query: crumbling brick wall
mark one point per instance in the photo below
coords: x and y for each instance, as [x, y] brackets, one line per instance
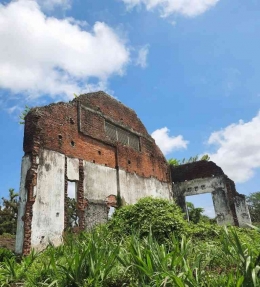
[198, 169]
[74, 131]
[78, 131]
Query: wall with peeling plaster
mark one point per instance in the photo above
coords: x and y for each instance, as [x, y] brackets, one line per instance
[206, 177]
[102, 146]
[96, 142]
[243, 215]
[99, 182]
[26, 165]
[134, 187]
[48, 209]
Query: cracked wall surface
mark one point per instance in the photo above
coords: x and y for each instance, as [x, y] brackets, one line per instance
[96, 142]
[206, 177]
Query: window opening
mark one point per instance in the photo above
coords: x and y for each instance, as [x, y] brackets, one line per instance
[72, 212]
[200, 208]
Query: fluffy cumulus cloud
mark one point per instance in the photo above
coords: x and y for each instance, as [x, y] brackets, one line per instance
[238, 149]
[44, 55]
[168, 143]
[142, 56]
[188, 8]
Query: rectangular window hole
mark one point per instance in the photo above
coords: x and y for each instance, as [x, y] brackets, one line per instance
[72, 189]
[72, 212]
[204, 201]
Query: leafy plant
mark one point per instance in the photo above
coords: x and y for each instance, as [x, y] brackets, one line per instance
[176, 162]
[160, 216]
[24, 114]
[5, 253]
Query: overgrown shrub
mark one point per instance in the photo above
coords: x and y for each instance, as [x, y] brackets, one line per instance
[159, 216]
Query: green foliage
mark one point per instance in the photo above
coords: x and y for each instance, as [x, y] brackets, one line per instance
[253, 202]
[160, 216]
[195, 213]
[5, 253]
[176, 162]
[112, 255]
[24, 114]
[8, 213]
[95, 259]
[254, 227]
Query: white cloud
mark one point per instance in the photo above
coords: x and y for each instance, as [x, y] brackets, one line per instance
[167, 7]
[142, 56]
[44, 55]
[238, 149]
[168, 143]
[51, 4]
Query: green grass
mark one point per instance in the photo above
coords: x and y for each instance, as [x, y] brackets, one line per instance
[192, 255]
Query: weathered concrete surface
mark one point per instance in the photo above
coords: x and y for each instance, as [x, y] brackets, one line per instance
[222, 207]
[95, 213]
[104, 147]
[72, 169]
[206, 177]
[26, 164]
[214, 185]
[48, 209]
[243, 215]
[100, 144]
[134, 187]
[99, 181]
[202, 185]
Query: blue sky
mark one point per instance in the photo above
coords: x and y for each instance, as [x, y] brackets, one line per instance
[190, 69]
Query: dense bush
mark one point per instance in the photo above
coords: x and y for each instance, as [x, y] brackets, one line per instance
[159, 216]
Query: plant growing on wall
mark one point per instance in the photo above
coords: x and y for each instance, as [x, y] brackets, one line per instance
[176, 162]
[24, 114]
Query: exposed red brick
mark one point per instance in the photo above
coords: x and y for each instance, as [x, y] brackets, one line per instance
[77, 132]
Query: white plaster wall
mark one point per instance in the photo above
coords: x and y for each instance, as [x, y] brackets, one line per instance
[26, 164]
[99, 181]
[201, 185]
[72, 168]
[134, 187]
[243, 215]
[48, 209]
[222, 210]
[214, 185]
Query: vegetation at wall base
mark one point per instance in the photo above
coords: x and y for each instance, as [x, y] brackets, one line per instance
[153, 248]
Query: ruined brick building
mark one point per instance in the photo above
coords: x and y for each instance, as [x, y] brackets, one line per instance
[206, 177]
[102, 146]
